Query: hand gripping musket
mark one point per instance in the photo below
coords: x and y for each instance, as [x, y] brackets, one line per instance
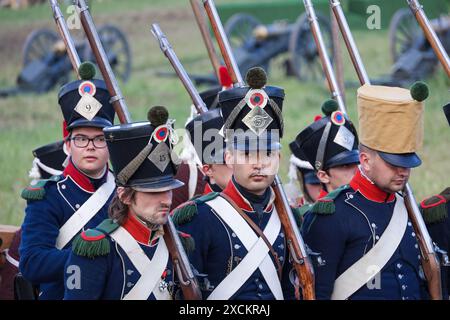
[417, 10]
[186, 277]
[65, 35]
[200, 18]
[430, 262]
[295, 244]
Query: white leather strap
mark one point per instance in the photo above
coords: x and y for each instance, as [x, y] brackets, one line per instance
[150, 270]
[257, 255]
[363, 270]
[193, 175]
[86, 212]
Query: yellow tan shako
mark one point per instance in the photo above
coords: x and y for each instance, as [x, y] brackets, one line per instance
[391, 122]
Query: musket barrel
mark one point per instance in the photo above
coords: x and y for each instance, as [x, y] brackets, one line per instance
[326, 64]
[65, 35]
[182, 74]
[117, 99]
[224, 44]
[417, 10]
[200, 18]
[349, 42]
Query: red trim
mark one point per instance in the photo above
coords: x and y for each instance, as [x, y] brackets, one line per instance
[184, 235]
[239, 199]
[236, 196]
[137, 229]
[80, 178]
[207, 189]
[370, 190]
[89, 238]
[322, 194]
[427, 206]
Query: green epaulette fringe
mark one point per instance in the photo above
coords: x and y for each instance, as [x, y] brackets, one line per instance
[93, 242]
[326, 204]
[186, 212]
[299, 212]
[36, 191]
[187, 241]
[435, 209]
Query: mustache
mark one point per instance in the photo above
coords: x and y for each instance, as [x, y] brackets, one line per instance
[258, 173]
[163, 207]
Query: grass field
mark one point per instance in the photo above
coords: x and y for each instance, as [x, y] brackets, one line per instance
[29, 121]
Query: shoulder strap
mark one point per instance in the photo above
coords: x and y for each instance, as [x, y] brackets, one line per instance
[258, 230]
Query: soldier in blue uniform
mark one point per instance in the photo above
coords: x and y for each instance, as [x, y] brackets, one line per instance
[86, 186]
[367, 245]
[233, 257]
[330, 145]
[436, 213]
[125, 257]
[209, 145]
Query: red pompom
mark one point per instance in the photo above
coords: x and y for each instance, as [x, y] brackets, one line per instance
[225, 79]
[317, 118]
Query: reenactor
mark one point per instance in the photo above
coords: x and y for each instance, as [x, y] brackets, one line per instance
[367, 244]
[436, 213]
[233, 257]
[60, 207]
[125, 256]
[330, 145]
[209, 145]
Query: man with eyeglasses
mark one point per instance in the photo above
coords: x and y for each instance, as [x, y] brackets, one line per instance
[60, 207]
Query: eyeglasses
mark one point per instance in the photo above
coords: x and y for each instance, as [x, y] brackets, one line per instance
[83, 141]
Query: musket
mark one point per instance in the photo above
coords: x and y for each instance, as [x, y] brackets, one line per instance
[326, 63]
[181, 263]
[430, 261]
[223, 42]
[200, 18]
[65, 35]
[295, 243]
[418, 12]
[166, 48]
[117, 99]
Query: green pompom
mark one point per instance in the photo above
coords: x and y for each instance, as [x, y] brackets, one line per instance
[329, 106]
[256, 78]
[91, 248]
[86, 70]
[419, 91]
[158, 115]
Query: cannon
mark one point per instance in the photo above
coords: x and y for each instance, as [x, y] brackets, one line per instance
[46, 64]
[412, 55]
[255, 44]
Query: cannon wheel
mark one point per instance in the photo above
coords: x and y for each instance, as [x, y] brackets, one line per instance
[117, 49]
[38, 44]
[239, 29]
[304, 56]
[403, 30]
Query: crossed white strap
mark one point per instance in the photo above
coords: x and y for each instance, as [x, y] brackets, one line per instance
[150, 270]
[86, 212]
[363, 270]
[257, 256]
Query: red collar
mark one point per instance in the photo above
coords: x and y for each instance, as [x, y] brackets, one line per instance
[138, 230]
[369, 190]
[323, 193]
[240, 200]
[80, 178]
[207, 189]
